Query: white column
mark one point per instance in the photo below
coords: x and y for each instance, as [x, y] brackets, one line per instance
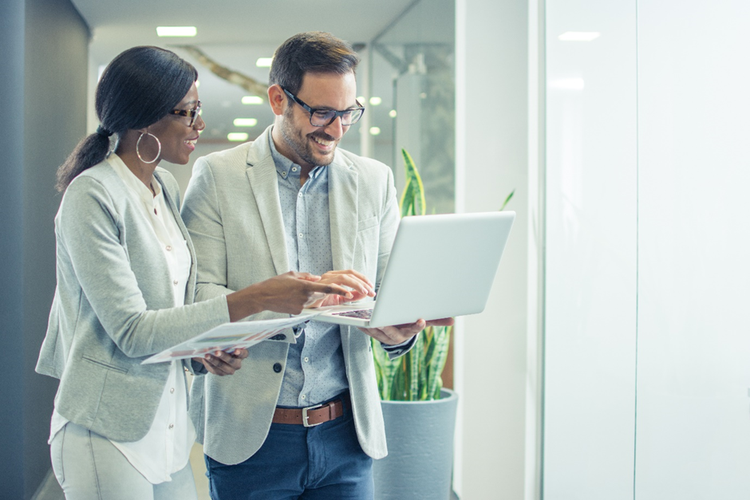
[491, 151]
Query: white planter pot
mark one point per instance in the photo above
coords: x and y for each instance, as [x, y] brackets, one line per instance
[420, 449]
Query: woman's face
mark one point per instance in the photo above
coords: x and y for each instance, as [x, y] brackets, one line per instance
[177, 137]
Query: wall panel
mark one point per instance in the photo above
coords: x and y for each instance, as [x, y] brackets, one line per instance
[693, 422]
[591, 259]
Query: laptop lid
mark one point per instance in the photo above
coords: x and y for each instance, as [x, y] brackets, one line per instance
[440, 266]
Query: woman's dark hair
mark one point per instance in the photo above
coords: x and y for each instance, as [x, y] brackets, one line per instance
[138, 88]
[311, 52]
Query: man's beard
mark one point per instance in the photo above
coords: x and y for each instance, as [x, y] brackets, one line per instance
[301, 145]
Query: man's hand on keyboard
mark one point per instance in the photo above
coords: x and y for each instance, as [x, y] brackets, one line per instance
[358, 283]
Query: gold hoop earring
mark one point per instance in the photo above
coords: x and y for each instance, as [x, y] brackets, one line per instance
[138, 144]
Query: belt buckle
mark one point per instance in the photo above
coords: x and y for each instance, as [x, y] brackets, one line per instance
[305, 416]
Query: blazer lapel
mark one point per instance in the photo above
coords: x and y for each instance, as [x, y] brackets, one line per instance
[261, 174]
[342, 205]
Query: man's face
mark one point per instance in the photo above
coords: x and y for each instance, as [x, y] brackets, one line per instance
[303, 143]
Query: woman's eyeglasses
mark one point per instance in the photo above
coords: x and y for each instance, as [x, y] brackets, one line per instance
[190, 113]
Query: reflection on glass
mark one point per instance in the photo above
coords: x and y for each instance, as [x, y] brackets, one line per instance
[413, 76]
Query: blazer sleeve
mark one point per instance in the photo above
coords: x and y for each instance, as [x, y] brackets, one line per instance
[388, 224]
[91, 232]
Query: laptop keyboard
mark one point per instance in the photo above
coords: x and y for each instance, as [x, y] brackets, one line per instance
[360, 313]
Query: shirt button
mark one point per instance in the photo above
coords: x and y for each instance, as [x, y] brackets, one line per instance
[294, 169]
[277, 367]
[169, 248]
[303, 397]
[301, 235]
[307, 360]
[283, 173]
[176, 282]
[171, 426]
[171, 391]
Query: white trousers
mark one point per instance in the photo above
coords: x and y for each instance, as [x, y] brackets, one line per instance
[89, 467]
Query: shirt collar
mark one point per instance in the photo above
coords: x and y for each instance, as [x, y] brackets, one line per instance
[287, 168]
[132, 182]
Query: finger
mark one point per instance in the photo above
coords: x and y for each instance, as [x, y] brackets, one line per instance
[377, 334]
[220, 365]
[240, 353]
[209, 367]
[330, 288]
[441, 322]
[352, 272]
[355, 281]
[228, 363]
[402, 333]
[416, 327]
[306, 276]
[314, 297]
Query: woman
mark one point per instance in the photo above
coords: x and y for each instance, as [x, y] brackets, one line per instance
[125, 287]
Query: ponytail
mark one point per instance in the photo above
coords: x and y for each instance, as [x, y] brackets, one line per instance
[90, 151]
[138, 88]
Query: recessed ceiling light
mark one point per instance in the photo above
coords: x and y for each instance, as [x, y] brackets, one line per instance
[237, 136]
[176, 30]
[245, 122]
[579, 36]
[392, 113]
[264, 62]
[252, 99]
[374, 130]
[375, 100]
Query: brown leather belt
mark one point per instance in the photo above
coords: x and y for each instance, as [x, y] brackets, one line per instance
[312, 415]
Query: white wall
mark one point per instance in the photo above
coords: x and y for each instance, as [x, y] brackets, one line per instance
[693, 430]
[591, 259]
[491, 151]
[647, 348]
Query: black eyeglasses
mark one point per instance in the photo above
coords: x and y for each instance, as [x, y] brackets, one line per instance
[321, 117]
[190, 113]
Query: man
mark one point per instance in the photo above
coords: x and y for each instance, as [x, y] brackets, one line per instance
[291, 200]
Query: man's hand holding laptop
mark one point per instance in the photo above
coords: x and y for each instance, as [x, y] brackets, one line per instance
[398, 334]
[361, 288]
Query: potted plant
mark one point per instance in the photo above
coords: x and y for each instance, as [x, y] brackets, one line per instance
[419, 414]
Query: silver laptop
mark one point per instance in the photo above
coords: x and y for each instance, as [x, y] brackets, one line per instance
[440, 266]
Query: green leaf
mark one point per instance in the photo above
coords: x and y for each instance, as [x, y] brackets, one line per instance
[412, 199]
[417, 374]
[507, 199]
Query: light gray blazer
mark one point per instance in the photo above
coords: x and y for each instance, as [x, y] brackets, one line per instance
[114, 306]
[233, 213]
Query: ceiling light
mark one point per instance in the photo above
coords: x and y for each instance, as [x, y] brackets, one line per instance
[579, 36]
[237, 136]
[375, 101]
[245, 122]
[374, 130]
[252, 99]
[392, 113]
[264, 62]
[176, 30]
[361, 98]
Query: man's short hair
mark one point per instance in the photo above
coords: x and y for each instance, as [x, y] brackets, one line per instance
[310, 52]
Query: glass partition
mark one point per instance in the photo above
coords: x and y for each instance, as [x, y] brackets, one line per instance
[412, 97]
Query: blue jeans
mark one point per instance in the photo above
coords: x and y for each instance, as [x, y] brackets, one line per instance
[323, 462]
